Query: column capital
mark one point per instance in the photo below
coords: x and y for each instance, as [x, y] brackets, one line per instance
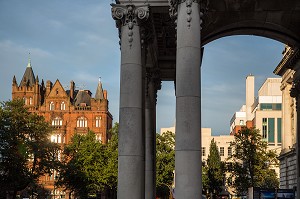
[129, 15]
[173, 9]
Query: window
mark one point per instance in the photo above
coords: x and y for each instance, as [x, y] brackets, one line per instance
[271, 130]
[57, 121]
[221, 151]
[229, 151]
[264, 128]
[242, 122]
[270, 106]
[25, 100]
[56, 138]
[82, 122]
[63, 106]
[99, 137]
[30, 100]
[203, 151]
[56, 91]
[51, 106]
[279, 130]
[98, 121]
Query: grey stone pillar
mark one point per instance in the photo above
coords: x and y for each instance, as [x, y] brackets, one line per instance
[131, 158]
[295, 92]
[188, 135]
[150, 167]
[287, 140]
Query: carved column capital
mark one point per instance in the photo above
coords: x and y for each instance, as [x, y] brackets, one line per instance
[130, 16]
[173, 10]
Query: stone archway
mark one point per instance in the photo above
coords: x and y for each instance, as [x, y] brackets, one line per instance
[162, 40]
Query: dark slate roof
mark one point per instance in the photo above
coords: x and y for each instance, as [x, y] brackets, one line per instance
[28, 77]
[99, 92]
[82, 97]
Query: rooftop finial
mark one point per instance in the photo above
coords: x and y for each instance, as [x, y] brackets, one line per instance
[29, 61]
[99, 79]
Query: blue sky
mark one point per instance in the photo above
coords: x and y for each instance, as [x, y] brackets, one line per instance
[77, 40]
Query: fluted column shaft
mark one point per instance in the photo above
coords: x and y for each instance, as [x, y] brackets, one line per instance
[131, 160]
[188, 138]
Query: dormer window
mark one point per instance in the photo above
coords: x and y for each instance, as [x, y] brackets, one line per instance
[51, 106]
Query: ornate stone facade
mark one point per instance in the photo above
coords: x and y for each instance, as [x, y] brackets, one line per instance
[68, 111]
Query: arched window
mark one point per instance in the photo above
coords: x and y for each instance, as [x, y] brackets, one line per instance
[25, 100]
[82, 122]
[30, 100]
[98, 121]
[56, 138]
[63, 106]
[51, 106]
[57, 121]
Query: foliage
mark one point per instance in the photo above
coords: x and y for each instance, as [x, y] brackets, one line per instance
[165, 162]
[215, 171]
[90, 166]
[26, 152]
[251, 162]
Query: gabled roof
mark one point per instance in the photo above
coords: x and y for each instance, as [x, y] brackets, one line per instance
[57, 89]
[99, 92]
[28, 77]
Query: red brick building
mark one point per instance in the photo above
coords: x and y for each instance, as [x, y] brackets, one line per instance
[69, 111]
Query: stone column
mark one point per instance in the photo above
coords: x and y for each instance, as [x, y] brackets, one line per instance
[150, 191]
[287, 140]
[295, 92]
[131, 158]
[188, 135]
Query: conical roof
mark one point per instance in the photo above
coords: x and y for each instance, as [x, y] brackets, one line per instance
[28, 77]
[99, 92]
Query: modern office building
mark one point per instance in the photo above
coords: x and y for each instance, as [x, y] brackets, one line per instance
[263, 112]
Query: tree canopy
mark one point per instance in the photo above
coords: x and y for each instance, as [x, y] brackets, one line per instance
[90, 167]
[215, 170]
[26, 152]
[165, 162]
[251, 162]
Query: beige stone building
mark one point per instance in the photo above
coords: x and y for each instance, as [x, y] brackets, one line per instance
[223, 142]
[288, 156]
[263, 112]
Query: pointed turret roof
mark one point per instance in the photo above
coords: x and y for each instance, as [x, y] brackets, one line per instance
[28, 77]
[14, 80]
[99, 92]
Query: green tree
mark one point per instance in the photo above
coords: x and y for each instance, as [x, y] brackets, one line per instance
[90, 167]
[82, 169]
[251, 162]
[165, 162]
[215, 171]
[26, 152]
